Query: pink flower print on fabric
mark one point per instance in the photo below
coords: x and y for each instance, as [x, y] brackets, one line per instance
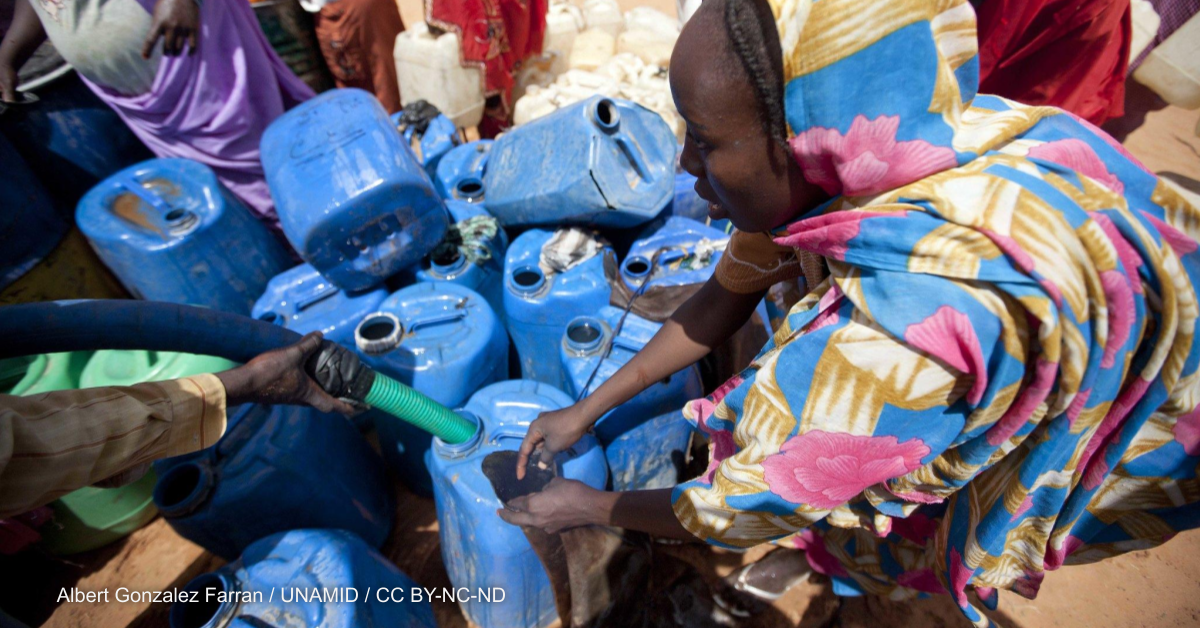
[1108, 139]
[1121, 313]
[826, 469]
[1055, 557]
[917, 527]
[960, 577]
[1028, 585]
[1009, 247]
[818, 555]
[723, 447]
[867, 159]
[1187, 432]
[923, 580]
[1178, 240]
[701, 409]
[1078, 156]
[829, 234]
[1117, 412]
[1128, 255]
[1028, 401]
[949, 336]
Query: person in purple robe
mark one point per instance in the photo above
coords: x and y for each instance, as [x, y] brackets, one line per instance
[192, 78]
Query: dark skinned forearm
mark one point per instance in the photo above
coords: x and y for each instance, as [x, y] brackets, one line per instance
[701, 323]
[23, 36]
[643, 511]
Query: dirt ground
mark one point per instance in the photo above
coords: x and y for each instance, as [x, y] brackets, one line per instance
[1160, 587]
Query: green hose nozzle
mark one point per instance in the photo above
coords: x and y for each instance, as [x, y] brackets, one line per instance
[340, 373]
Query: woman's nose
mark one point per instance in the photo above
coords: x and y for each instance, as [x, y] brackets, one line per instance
[690, 159]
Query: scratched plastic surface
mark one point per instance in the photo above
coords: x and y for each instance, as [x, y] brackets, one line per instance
[449, 345]
[304, 301]
[485, 274]
[330, 561]
[604, 162]
[478, 548]
[460, 172]
[540, 306]
[646, 438]
[678, 263]
[439, 138]
[171, 232]
[352, 198]
[277, 468]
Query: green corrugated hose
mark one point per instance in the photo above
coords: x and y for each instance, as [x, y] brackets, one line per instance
[399, 400]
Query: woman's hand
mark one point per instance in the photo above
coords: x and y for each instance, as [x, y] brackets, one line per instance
[176, 22]
[562, 504]
[8, 82]
[278, 377]
[555, 431]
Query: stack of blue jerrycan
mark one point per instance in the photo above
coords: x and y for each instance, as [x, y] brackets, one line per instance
[277, 468]
[171, 232]
[688, 204]
[539, 304]
[429, 133]
[460, 172]
[645, 439]
[352, 198]
[472, 255]
[303, 579]
[603, 162]
[479, 549]
[304, 301]
[441, 339]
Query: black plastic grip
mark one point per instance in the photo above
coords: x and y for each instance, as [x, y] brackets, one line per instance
[340, 373]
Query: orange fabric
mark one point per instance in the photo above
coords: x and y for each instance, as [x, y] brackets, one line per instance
[1071, 54]
[357, 38]
[752, 262]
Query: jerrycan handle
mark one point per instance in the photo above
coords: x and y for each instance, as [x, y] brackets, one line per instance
[437, 318]
[174, 221]
[622, 343]
[607, 117]
[314, 296]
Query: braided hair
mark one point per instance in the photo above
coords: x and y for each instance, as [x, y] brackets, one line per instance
[750, 26]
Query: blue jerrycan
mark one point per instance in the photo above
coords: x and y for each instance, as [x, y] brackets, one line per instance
[460, 172]
[352, 198]
[274, 582]
[602, 161]
[443, 340]
[645, 439]
[479, 549]
[302, 300]
[30, 228]
[431, 145]
[171, 232]
[472, 255]
[539, 305]
[277, 468]
[687, 251]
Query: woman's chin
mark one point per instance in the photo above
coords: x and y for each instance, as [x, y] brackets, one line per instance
[717, 212]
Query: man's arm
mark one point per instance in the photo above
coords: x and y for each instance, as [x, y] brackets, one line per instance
[23, 37]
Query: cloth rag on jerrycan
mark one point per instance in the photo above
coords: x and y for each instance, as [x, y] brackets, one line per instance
[352, 198]
[264, 587]
[603, 162]
[549, 279]
[600, 574]
[172, 232]
[471, 255]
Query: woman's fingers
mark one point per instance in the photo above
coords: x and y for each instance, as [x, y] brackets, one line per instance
[528, 444]
[516, 518]
[156, 30]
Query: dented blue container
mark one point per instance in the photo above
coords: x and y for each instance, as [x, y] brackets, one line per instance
[645, 439]
[439, 138]
[602, 162]
[689, 253]
[479, 549]
[29, 227]
[352, 198]
[277, 468]
[261, 588]
[443, 340]
[477, 260]
[539, 306]
[460, 172]
[171, 232]
[304, 301]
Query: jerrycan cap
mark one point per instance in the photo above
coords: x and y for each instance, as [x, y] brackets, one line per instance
[585, 335]
[207, 615]
[183, 489]
[378, 333]
[463, 449]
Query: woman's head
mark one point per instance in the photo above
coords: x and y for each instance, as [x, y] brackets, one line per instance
[727, 79]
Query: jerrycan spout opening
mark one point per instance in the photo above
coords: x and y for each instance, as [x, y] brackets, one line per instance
[378, 333]
[606, 116]
[183, 489]
[448, 264]
[469, 189]
[636, 267]
[585, 335]
[459, 450]
[527, 280]
[273, 318]
[213, 608]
